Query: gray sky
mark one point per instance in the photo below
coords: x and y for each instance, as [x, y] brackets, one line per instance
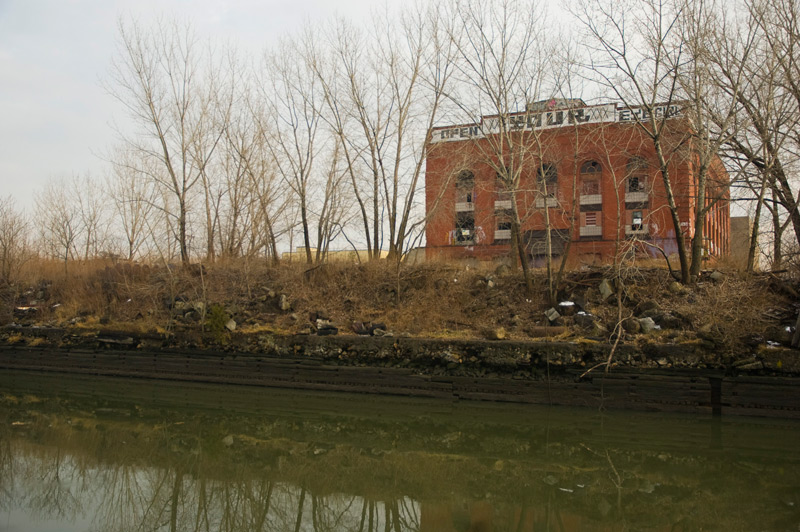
[55, 118]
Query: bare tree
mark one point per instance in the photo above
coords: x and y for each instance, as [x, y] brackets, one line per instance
[294, 99]
[92, 212]
[504, 58]
[134, 199]
[14, 244]
[333, 204]
[637, 53]
[254, 194]
[780, 21]
[157, 76]
[382, 100]
[711, 107]
[58, 221]
[745, 71]
[769, 107]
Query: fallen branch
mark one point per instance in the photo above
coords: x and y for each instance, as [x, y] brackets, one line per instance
[669, 266]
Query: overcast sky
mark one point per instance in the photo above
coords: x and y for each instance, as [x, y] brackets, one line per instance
[55, 118]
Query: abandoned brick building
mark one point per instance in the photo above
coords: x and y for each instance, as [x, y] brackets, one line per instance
[592, 167]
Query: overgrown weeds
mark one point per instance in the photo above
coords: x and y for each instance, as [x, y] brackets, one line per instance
[433, 300]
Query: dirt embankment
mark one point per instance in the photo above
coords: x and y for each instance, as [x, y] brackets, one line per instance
[726, 315]
[722, 345]
[725, 320]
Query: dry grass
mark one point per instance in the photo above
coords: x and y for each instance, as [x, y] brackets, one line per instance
[435, 299]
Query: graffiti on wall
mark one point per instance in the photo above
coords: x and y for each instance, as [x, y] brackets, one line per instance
[551, 119]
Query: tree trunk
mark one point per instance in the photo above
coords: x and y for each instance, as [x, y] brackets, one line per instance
[516, 238]
[306, 236]
[184, 248]
[673, 211]
[777, 233]
[699, 226]
[751, 251]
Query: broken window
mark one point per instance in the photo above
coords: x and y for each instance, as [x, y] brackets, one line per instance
[591, 169]
[590, 187]
[636, 221]
[465, 187]
[503, 227]
[590, 178]
[547, 178]
[503, 190]
[637, 175]
[465, 227]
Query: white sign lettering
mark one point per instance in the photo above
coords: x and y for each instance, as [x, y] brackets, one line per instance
[532, 121]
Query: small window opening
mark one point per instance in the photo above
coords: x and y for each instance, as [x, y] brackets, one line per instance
[465, 228]
[591, 219]
[637, 175]
[635, 184]
[503, 223]
[636, 220]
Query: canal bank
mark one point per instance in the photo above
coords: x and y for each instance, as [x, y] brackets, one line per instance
[668, 378]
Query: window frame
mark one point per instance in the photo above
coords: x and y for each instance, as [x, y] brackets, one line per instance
[547, 175]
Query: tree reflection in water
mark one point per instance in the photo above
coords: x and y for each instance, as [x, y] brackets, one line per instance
[171, 459]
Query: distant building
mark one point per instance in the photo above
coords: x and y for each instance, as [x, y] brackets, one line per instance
[344, 255]
[741, 227]
[591, 167]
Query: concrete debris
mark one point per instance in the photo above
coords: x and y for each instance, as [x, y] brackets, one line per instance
[646, 308]
[567, 308]
[552, 315]
[501, 270]
[368, 328]
[631, 325]
[717, 276]
[647, 325]
[498, 333]
[606, 289]
[585, 320]
[361, 328]
[752, 366]
[676, 288]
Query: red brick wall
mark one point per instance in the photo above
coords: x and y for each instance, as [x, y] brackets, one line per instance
[612, 145]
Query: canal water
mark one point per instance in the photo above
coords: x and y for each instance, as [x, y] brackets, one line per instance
[102, 454]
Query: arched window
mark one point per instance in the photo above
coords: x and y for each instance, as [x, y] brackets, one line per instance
[591, 168]
[590, 178]
[637, 173]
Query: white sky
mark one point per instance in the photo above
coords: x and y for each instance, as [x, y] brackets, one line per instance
[55, 118]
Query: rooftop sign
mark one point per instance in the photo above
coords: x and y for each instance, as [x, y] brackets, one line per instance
[552, 119]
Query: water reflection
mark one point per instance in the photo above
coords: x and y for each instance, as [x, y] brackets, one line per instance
[116, 455]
